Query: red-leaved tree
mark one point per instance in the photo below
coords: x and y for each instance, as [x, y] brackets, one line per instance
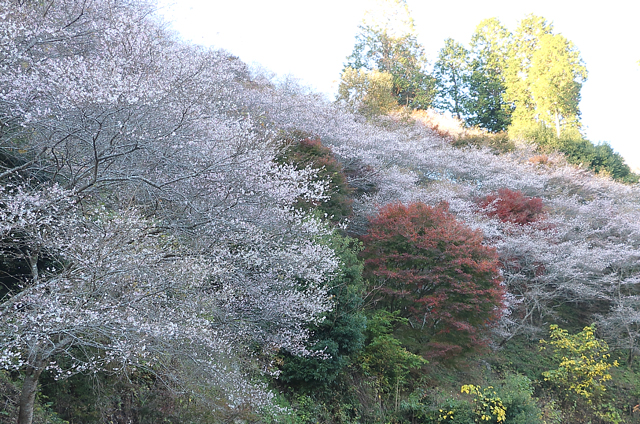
[437, 272]
[512, 206]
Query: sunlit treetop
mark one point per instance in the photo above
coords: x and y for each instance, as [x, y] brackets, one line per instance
[390, 16]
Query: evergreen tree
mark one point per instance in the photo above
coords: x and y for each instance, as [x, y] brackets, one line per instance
[341, 333]
[521, 50]
[451, 74]
[545, 75]
[487, 107]
[557, 74]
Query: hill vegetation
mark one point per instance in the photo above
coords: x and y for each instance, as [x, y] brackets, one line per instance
[184, 241]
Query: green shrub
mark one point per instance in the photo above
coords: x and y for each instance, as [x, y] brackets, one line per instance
[600, 158]
[516, 392]
[367, 92]
[435, 408]
[488, 405]
[498, 142]
[341, 334]
[384, 356]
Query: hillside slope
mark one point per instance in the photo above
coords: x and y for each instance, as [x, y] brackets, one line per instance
[153, 243]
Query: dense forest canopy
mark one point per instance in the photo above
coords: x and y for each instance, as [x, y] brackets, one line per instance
[205, 244]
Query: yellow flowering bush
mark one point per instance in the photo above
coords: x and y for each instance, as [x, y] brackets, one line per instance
[583, 368]
[488, 405]
[583, 365]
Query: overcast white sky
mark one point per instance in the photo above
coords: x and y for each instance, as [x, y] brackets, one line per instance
[311, 39]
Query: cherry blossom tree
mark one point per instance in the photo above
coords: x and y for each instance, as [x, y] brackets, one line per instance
[144, 197]
[577, 251]
[104, 290]
[108, 125]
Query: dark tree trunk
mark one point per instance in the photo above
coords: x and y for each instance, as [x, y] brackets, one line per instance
[28, 396]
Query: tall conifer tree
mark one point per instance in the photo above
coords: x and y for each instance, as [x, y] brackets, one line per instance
[451, 73]
[487, 107]
[544, 78]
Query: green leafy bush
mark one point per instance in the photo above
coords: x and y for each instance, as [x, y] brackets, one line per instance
[497, 142]
[600, 158]
[367, 92]
[516, 393]
[435, 408]
[341, 334]
[384, 356]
